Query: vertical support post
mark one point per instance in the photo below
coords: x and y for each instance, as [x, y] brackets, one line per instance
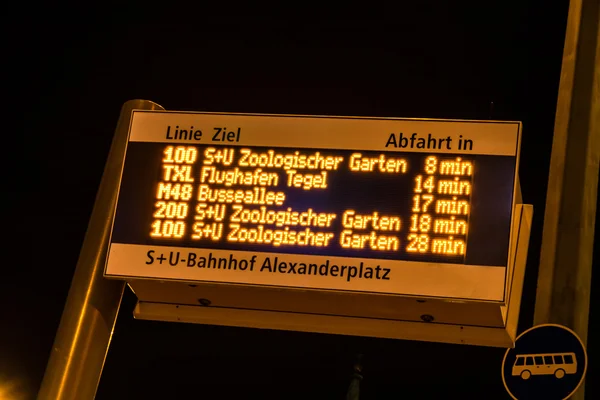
[564, 280]
[90, 313]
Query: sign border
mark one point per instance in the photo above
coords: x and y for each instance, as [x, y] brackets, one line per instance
[540, 326]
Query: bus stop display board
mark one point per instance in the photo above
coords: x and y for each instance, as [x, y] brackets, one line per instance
[372, 205]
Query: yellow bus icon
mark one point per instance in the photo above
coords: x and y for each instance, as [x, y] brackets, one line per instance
[557, 364]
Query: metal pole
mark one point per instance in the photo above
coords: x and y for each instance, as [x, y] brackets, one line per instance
[89, 316]
[564, 280]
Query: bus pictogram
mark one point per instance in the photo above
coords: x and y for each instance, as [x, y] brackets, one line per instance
[557, 364]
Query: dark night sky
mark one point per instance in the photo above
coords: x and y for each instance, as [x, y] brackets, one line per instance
[72, 69]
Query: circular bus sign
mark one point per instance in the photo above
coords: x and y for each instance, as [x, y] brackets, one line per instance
[548, 362]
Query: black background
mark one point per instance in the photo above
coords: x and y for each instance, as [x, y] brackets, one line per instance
[68, 70]
[390, 194]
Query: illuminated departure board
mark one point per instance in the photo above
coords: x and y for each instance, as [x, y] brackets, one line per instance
[398, 206]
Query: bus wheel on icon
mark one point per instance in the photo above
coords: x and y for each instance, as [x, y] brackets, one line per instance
[548, 362]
